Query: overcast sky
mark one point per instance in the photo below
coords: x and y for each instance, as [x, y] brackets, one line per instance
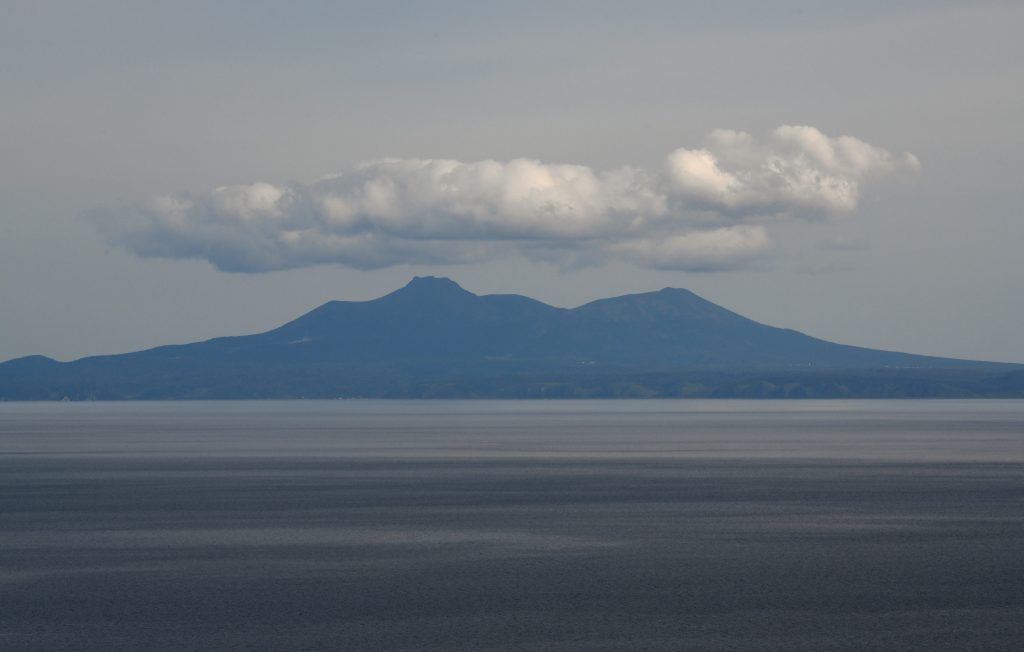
[180, 171]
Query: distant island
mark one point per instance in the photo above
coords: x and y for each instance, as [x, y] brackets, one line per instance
[433, 339]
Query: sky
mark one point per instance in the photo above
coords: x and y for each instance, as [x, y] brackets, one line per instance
[171, 172]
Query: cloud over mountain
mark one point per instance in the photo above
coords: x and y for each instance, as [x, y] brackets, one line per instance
[706, 210]
[795, 172]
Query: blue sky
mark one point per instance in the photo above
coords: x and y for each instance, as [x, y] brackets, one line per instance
[110, 106]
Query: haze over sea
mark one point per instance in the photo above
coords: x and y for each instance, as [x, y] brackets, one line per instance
[475, 525]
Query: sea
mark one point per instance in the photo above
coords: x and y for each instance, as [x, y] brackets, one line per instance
[512, 525]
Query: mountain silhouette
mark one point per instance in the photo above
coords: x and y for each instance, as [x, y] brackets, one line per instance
[434, 338]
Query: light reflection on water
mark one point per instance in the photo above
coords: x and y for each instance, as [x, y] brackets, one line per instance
[512, 525]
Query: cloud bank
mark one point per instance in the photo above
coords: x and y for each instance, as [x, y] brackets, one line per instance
[707, 209]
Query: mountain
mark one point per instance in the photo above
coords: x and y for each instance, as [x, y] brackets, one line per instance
[433, 338]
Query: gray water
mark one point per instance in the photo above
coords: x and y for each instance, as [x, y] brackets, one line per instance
[476, 525]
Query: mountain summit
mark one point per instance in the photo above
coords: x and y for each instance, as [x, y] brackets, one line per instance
[432, 337]
[432, 289]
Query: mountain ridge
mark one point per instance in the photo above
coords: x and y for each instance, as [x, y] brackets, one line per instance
[432, 333]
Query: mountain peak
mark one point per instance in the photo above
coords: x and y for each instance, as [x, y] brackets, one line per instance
[433, 282]
[430, 288]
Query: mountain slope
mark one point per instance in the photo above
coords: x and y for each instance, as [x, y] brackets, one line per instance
[432, 336]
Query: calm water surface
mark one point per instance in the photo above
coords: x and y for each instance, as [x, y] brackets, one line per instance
[478, 525]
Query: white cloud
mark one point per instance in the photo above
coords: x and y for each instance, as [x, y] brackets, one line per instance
[796, 172]
[688, 216]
